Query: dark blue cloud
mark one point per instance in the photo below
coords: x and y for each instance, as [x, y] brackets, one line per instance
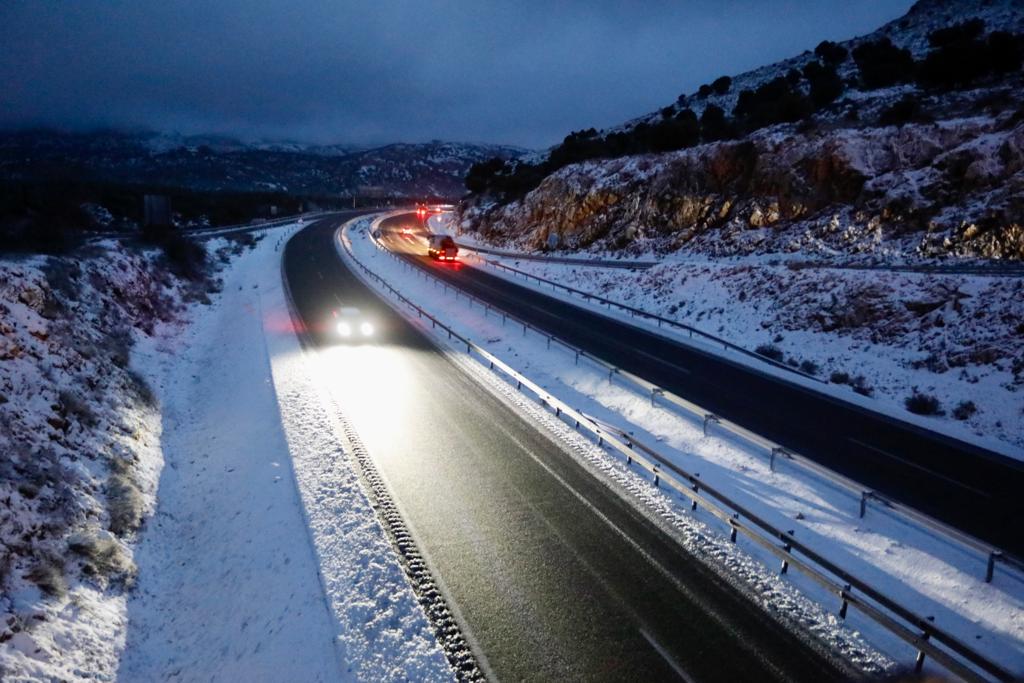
[519, 72]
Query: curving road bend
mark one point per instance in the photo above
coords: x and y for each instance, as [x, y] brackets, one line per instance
[553, 575]
[968, 487]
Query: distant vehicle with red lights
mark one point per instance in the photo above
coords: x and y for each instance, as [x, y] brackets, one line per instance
[442, 248]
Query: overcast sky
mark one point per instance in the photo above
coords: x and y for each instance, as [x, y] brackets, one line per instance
[524, 72]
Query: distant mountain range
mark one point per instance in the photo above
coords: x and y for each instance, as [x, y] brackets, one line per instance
[215, 163]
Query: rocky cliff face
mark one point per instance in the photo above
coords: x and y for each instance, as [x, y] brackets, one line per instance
[953, 187]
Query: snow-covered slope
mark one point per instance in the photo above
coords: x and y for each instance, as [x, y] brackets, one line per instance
[79, 450]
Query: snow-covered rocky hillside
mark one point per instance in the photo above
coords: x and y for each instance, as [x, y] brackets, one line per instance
[79, 447]
[903, 143]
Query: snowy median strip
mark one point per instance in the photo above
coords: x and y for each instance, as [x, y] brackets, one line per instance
[935, 578]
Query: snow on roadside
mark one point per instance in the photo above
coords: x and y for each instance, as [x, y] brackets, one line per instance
[923, 572]
[383, 633]
[228, 584]
[79, 448]
[877, 336]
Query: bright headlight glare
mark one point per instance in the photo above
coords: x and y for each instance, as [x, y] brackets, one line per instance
[366, 329]
[344, 329]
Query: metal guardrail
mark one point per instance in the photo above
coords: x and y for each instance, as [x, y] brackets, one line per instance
[988, 553]
[562, 260]
[215, 231]
[657, 319]
[781, 543]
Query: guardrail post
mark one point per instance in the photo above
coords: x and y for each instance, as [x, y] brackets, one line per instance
[657, 477]
[846, 603]
[771, 462]
[549, 343]
[577, 357]
[655, 391]
[734, 529]
[864, 495]
[788, 547]
[991, 568]
[919, 661]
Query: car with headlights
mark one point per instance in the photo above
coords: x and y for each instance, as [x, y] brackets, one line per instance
[350, 324]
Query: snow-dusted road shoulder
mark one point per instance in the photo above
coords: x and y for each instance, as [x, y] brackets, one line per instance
[228, 582]
[265, 560]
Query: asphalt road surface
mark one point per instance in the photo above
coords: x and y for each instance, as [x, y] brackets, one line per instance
[553, 575]
[966, 486]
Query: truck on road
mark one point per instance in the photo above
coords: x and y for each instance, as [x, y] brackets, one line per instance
[442, 247]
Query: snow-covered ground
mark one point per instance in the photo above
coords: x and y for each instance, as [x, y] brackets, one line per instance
[925, 573]
[79, 449]
[886, 334]
[265, 560]
[889, 334]
[228, 584]
[259, 556]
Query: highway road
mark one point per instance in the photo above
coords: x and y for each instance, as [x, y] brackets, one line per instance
[966, 486]
[552, 574]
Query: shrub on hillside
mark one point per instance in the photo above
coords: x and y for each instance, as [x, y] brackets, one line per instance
[826, 85]
[961, 32]
[809, 367]
[962, 58]
[839, 378]
[714, 125]
[721, 84]
[104, 557]
[776, 101]
[48, 575]
[124, 501]
[830, 53]
[770, 351]
[964, 410]
[882, 64]
[860, 385]
[923, 404]
[682, 130]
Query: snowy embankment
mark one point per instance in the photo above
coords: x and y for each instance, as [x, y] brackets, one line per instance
[82, 338]
[923, 572]
[877, 337]
[236, 572]
[265, 559]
